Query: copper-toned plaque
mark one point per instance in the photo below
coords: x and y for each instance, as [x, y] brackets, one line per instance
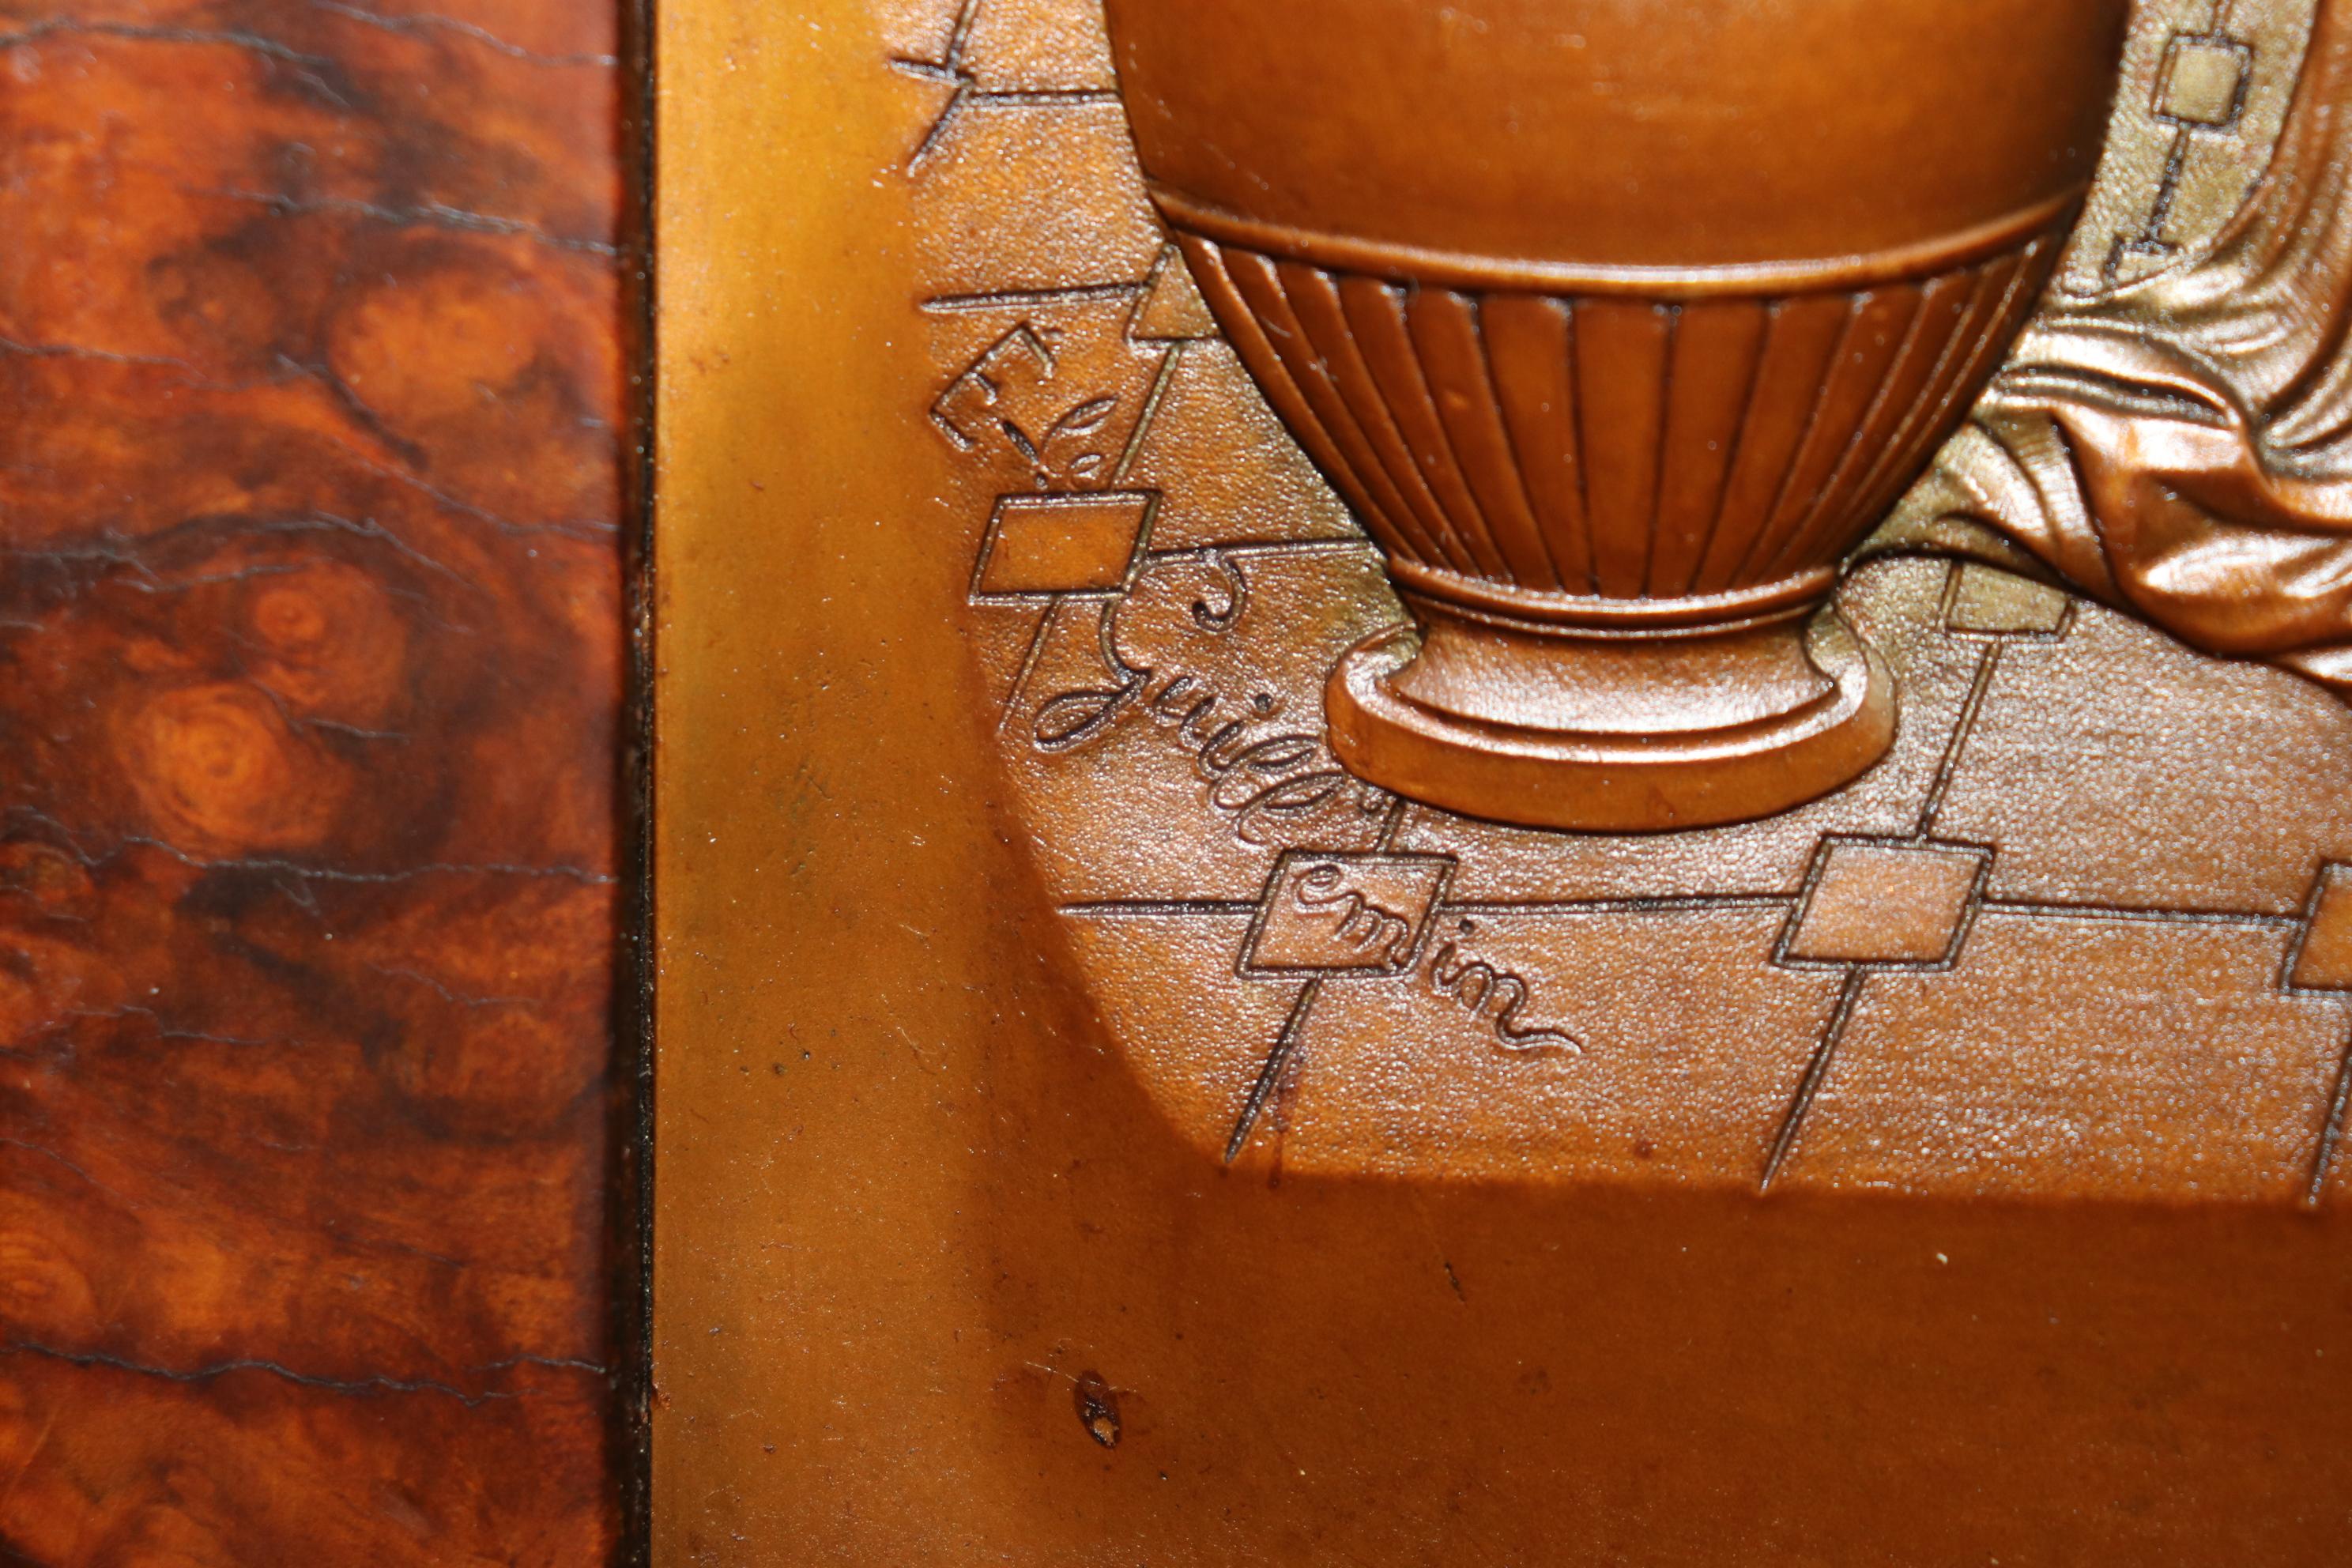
[1544, 780]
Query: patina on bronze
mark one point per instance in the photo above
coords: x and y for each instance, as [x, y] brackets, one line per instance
[1945, 1171]
[1617, 339]
[2178, 448]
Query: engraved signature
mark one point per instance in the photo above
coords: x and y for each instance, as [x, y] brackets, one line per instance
[1490, 995]
[1495, 996]
[1364, 927]
[1263, 779]
[978, 399]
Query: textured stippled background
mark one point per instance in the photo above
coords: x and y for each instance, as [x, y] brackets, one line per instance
[2111, 1004]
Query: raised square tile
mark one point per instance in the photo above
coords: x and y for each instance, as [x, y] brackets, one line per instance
[1171, 308]
[1325, 914]
[1882, 902]
[1988, 601]
[2204, 80]
[1073, 543]
[2322, 960]
[2136, 259]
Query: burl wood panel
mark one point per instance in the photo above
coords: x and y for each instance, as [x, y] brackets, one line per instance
[311, 372]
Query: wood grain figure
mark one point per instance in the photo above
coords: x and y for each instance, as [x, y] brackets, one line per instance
[311, 381]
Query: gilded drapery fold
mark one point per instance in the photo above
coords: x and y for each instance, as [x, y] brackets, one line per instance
[2182, 448]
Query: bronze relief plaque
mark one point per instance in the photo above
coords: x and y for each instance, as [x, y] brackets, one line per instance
[2010, 899]
[1477, 773]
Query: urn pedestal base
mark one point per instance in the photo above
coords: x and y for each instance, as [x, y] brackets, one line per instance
[1615, 715]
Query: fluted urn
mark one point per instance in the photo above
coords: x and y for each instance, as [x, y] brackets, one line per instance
[1617, 323]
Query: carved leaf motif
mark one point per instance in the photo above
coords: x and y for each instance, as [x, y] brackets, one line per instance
[1088, 416]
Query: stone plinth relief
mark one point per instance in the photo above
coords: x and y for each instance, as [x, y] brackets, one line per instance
[1829, 683]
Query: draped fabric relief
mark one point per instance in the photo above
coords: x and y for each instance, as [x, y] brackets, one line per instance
[2181, 446]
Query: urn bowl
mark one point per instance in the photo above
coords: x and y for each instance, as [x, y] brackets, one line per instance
[1617, 324]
